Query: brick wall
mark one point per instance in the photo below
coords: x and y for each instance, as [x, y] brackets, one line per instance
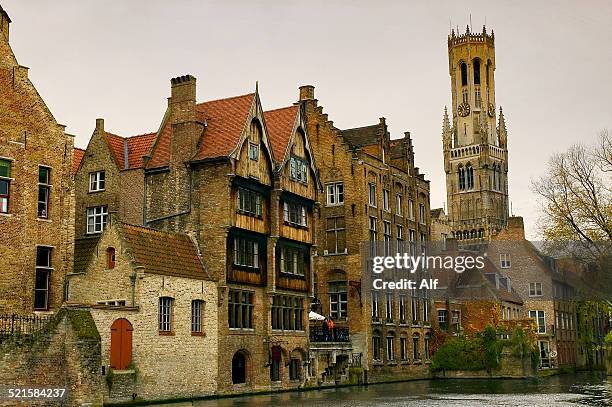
[30, 136]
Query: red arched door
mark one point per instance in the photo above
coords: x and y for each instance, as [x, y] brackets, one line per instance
[121, 344]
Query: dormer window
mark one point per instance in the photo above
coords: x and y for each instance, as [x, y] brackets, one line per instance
[110, 258]
[253, 151]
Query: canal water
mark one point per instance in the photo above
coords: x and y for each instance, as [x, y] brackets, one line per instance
[584, 389]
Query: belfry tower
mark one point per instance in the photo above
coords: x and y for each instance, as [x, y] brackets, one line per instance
[475, 143]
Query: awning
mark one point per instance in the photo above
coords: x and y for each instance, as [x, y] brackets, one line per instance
[313, 316]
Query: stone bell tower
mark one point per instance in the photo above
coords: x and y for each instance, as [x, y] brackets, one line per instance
[475, 142]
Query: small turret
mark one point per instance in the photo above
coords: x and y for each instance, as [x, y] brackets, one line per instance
[501, 129]
[447, 132]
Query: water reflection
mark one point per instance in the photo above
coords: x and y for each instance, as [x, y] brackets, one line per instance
[566, 390]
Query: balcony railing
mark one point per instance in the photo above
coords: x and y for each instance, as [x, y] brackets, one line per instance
[338, 334]
[16, 325]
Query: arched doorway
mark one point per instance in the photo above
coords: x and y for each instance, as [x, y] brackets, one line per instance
[121, 344]
[239, 368]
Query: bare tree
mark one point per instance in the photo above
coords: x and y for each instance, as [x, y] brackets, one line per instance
[576, 202]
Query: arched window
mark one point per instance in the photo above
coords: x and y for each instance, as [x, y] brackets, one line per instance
[416, 354]
[464, 74]
[275, 365]
[488, 68]
[476, 64]
[376, 346]
[110, 258]
[466, 235]
[461, 178]
[239, 368]
[473, 234]
[480, 233]
[470, 176]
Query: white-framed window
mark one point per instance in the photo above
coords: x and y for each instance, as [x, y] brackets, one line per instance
[97, 181]
[422, 218]
[375, 307]
[373, 235]
[412, 242]
[402, 308]
[292, 261]
[44, 191]
[253, 151]
[96, 219]
[298, 169]
[443, 319]
[539, 316]
[390, 353]
[197, 309]
[389, 307]
[415, 307]
[294, 213]
[43, 272]
[386, 204]
[372, 194]
[400, 238]
[477, 98]
[415, 347]
[504, 260]
[338, 300]
[5, 184]
[398, 205]
[535, 289]
[246, 252]
[404, 348]
[165, 314]
[335, 193]
[387, 237]
[249, 202]
[376, 346]
[411, 209]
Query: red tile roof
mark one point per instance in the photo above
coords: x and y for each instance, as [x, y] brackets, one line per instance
[225, 120]
[161, 252]
[138, 146]
[279, 123]
[77, 157]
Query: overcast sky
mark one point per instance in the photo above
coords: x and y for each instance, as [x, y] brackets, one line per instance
[367, 59]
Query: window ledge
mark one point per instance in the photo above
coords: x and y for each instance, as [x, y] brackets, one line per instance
[336, 254]
[333, 205]
[7, 215]
[200, 334]
[391, 363]
[377, 363]
[97, 191]
[44, 220]
[166, 333]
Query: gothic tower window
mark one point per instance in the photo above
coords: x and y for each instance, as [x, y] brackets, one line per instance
[476, 65]
[470, 176]
[464, 74]
[461, 178]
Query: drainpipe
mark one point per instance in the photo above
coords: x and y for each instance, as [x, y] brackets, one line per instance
[133, 281]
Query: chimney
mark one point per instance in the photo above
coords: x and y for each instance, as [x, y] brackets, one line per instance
[5, 21]
[185, 129]
[306, 92]
[516, 227]
[100, 125]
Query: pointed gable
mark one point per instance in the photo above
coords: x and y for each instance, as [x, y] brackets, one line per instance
[137, 147]
[280, 124]
[77, 157]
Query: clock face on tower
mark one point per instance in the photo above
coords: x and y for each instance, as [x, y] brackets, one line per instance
[491, 110]
[463, 109]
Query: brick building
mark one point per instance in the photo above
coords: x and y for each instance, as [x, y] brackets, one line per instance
[155, 307]
[109, 180]
[36, 192]
[548, 294]
[244, 183]
[373, 192]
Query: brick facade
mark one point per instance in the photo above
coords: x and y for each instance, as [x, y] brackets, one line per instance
[358, 158]
[33, 148]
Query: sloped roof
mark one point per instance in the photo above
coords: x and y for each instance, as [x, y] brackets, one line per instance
[363, 136]
[225, 120]
[137, 147]
[437, 213]
[279, 123]
[77, 157]
[83, 250]
[161, 252]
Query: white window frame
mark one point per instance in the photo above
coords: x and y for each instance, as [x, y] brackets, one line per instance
[398, 205]
[389, 347]
[335, 193]
[97, 181]
[535, 314]
[165, 314]
[411, 209]
[533, 289]
[386, 199]
[253, 151]
[372, 194]
[97, 217]
[504, 261]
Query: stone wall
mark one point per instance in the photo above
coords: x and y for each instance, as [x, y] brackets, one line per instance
[510, 367]
[65, 354]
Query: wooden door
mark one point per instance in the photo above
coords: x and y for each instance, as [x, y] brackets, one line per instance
[121, 344]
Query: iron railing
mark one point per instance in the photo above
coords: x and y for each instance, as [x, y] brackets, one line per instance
[338, 334]
[18, 325]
